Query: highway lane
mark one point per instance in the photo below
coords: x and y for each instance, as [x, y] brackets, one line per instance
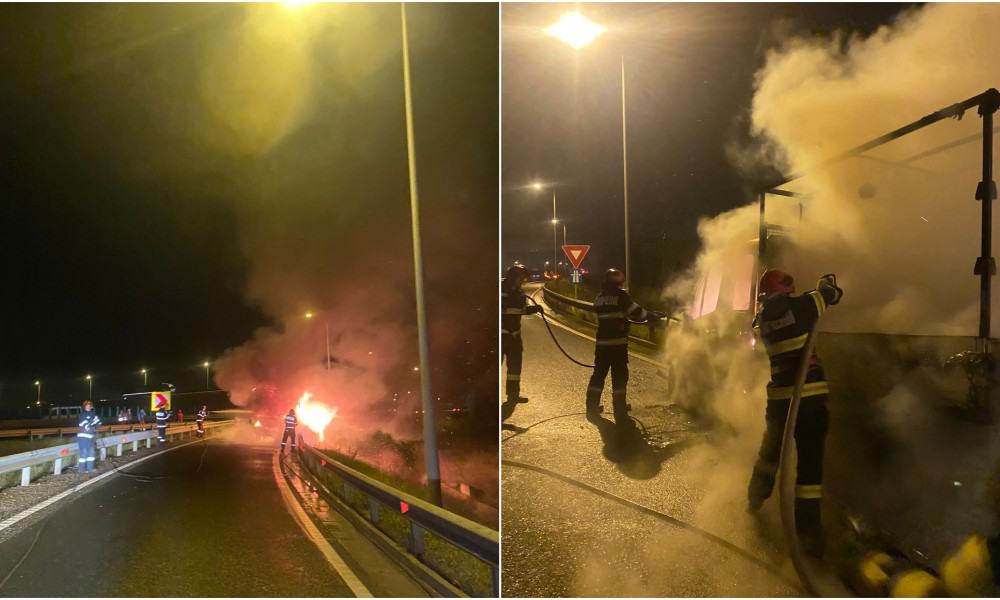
[563, 537]
[212, 522]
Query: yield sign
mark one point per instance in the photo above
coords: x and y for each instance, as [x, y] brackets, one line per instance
[576, 254]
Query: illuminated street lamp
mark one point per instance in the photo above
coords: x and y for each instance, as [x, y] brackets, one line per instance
[578, 31]
[207, 366]
[38, 402]
[145, 379]
[90, 388]
[555, 220]
[326, 326]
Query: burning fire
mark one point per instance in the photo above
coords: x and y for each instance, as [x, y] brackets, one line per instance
[315, 415]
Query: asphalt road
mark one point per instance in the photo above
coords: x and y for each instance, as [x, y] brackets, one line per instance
[212, 522]
[611, 514]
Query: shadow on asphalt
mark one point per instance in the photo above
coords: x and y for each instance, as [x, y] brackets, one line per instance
[630, 449]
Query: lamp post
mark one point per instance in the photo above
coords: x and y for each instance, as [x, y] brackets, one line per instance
[326, 327]
[432, 465]
[145, 379]
[555, 223]
[38, 401]
[578, 31]
[207, 366]
[90, 388]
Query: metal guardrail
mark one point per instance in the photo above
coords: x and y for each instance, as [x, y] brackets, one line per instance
[415, 524]
[26, 461]
[651, 339]
[33, 432]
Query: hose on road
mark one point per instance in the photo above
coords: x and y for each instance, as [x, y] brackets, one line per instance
[724, 543]
[25, 555]
[554, 339]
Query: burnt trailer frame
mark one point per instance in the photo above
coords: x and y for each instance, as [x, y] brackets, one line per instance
[987, 104]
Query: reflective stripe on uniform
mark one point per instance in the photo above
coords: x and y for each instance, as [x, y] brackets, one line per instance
[85, 435]
[513, 311]
[81, 460]
[786, 345]
[613, 342]
[613, 315]
[90, 458]
[815, 388]
[809, 492]
[513, 377]
[819, 300]
[595, 389]
[514, 333]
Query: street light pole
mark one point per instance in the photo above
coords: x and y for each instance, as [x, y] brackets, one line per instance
[430, 421]
[145, 380]
[207, 366]
[555, 221]
[628, 269]
[326, 325]
[38, 402]
[90, 388]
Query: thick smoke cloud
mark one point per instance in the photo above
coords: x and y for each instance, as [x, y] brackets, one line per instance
[900, 227]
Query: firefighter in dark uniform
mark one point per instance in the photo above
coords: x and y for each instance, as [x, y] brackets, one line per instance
[162, 415]
[614, 308]
[199, 418]
[513, 304]
[784, 322]
[290, 423]
[89, 422]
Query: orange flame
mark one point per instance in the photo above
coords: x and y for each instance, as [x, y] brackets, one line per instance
[314, 415]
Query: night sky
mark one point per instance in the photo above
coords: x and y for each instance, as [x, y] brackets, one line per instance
[121, 242]
[690, 71]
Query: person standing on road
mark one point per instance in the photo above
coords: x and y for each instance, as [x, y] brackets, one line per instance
[142, 417]
[180, 416]
[290, 423]
[784, 322]
[614, 308]
[162, 416]
[199, 418]
[513, 304]
[89, 422]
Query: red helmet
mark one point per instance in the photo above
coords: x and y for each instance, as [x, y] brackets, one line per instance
[774, 282]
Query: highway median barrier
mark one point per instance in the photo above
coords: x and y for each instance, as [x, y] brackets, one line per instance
[24, 467]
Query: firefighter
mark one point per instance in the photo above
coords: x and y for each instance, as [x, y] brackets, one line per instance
[290, 423]
[162, 416]
[199, 418]
[614, 308]
[513, 304]
[89, 422]
[783, 322]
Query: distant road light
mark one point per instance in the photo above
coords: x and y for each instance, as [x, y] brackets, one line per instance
[309, 315]
[536, 185]
[576, 30]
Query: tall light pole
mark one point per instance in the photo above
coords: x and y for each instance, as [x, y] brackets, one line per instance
[90, 388]
[207, 366]
[430, 420]
[38, 401]
[145, 380]
[555, 223]
[326, 326]
[578, 31]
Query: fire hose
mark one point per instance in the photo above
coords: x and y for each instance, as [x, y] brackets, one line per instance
[556, 340]
[786, 478]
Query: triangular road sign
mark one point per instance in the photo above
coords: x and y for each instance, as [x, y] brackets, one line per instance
[576, 254]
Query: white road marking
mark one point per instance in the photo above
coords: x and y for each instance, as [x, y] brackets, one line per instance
[313, 533]
[10, 521]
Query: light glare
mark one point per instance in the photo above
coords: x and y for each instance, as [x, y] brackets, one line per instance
[576, 30]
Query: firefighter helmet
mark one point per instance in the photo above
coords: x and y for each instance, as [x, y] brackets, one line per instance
[87, 405]
[614, 276]
[516, 270]
[774, 281]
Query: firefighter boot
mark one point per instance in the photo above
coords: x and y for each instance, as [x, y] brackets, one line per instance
[808, 526]
[593, 404]
[620, 408]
